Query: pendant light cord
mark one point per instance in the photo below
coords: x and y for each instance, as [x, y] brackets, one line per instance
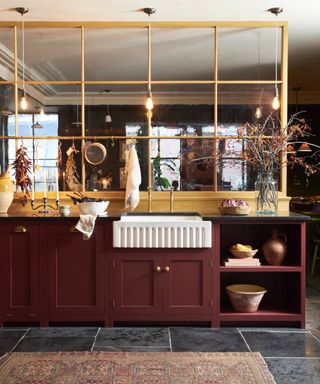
[149, 55]
[276, 58]
[23, 85]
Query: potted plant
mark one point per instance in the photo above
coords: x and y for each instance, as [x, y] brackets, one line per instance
[161, 183]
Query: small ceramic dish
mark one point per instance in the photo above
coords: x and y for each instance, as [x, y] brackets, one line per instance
[243, 254]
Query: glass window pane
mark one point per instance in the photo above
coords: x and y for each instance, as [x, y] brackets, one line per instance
[112, 109]
[181, 110]
[248, 53]
[7, 117]
[7, 53]
[238, 103]
[116, 54]
[184, 164]
[51, 54]
[182, 54]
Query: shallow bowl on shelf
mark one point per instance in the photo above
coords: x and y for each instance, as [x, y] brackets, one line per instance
[245, 297]
[93, 207]
[242, 210]
[243, 254]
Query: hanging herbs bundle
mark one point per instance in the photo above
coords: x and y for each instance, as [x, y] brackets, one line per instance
[72, 176]
[23, 169]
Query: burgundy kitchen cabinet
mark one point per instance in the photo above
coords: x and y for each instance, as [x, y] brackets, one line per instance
[161, 284]
[21, 261]
[76, 273]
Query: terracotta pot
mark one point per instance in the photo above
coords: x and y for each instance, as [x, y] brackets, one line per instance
[6, 191]
[245, 297]
[275, 249]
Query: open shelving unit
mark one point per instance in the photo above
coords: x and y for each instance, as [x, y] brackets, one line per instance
[284, 302]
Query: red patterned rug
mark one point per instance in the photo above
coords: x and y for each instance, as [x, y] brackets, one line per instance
[134, 368]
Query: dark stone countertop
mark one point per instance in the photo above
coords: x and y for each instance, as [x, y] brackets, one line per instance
[111, 216]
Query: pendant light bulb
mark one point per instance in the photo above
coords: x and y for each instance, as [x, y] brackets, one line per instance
[258, 112]
[108, 118]
[149, 102]
[276, 102]
[24, 102]
[42, 112]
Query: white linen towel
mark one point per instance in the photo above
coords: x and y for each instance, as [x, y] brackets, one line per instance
[86, 225]
[133, 180]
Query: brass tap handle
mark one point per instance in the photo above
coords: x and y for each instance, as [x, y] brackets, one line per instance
[167, 268]
[171, 200]
[20, 229]
[158, 268]
[149, 199]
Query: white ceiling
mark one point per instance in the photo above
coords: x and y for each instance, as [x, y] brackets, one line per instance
[302, 17]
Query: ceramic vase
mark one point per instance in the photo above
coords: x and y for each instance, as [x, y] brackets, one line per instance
[266, 189]
[6, 191]
[275, 249]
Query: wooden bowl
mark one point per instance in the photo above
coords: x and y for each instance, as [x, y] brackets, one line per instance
[238, 211]
[245, 297]
[242, 254]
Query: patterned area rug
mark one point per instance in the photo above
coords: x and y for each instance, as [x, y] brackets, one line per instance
[134, 368]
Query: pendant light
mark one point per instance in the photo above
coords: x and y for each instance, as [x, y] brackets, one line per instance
[275, 100]
[304, 147]
[36, 113]
[107, 118]
[149, 102]
[5, 110]
[77, 123]
[23, 102]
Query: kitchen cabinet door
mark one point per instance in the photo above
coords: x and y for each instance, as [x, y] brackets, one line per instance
[76, 272]
[21, 271]
[136, 279]
[187, 282]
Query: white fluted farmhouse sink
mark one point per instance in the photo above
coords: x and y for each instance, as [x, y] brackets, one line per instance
[161, 230]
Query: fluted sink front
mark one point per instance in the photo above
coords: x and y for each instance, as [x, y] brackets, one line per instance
[162, 231]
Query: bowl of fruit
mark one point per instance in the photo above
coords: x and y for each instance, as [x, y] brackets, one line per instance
[89, 205]
[234, 207]
[241, 251]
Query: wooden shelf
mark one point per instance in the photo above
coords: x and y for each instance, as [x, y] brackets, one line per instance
[260, 315]
[262, 268]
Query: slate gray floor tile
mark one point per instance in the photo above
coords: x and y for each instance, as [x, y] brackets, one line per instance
[313, 314]
[294, 370]
[9, 338]
[206, 340]
[132, 349]
[282, 344]
[63, 332]
[54, 344]
[132, 337]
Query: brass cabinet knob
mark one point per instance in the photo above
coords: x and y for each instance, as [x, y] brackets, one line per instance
[167, 268]
[20, 229]
[158, 268]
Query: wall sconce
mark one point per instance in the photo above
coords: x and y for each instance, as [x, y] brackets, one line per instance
[149, 102]
[275, 100]
[23, 102]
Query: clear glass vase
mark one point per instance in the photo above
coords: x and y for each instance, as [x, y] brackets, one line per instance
[266, 188]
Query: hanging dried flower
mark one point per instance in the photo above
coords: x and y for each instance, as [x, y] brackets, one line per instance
[72, 176]
[23, 169]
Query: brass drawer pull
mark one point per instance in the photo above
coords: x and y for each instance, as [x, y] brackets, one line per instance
[73, 229]
[20, 229]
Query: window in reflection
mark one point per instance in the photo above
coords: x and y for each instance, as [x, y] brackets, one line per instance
[42, 153]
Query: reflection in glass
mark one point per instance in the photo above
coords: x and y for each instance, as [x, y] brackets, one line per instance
[7, 50]
[184, 164]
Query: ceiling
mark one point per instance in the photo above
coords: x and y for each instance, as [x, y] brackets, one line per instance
[304, 31]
